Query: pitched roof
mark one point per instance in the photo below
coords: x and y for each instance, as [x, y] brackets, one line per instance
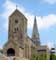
[17, 12]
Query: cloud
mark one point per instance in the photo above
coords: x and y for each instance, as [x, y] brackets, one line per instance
[42, 22]
[50, 44]
[46, 21]
[50, 1]
[8, 9]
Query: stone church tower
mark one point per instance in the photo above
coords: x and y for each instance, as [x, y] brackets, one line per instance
[35, 34]
[16, 34]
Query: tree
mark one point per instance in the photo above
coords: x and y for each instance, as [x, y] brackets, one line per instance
[52, 56]
[33, 57]
[1, 51]
[39, 57]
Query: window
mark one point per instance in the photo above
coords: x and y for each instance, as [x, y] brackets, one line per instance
[15, 26]
[16, 21]
[15, 30]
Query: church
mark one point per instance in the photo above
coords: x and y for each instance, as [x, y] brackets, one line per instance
[19, 44]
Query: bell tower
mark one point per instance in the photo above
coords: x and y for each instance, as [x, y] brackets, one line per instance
[16, 35]
[17, 27]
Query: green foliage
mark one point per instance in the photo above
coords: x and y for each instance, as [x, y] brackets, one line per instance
[39, 57]
[1, 51]
[52, 57]
[34, 57]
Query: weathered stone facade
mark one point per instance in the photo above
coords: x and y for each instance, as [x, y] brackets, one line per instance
[19, 44]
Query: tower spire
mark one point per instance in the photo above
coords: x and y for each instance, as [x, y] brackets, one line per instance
[35, 34]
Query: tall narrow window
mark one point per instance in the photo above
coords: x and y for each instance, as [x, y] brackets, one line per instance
[15, 30]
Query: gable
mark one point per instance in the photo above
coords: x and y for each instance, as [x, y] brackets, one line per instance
[17, 13]
[11, 43]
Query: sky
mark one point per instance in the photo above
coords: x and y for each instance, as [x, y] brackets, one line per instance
[45, 12]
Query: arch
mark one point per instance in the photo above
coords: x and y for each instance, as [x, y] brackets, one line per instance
[10, 52]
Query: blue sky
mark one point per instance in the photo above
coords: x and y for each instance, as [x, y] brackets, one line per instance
[45, 12]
